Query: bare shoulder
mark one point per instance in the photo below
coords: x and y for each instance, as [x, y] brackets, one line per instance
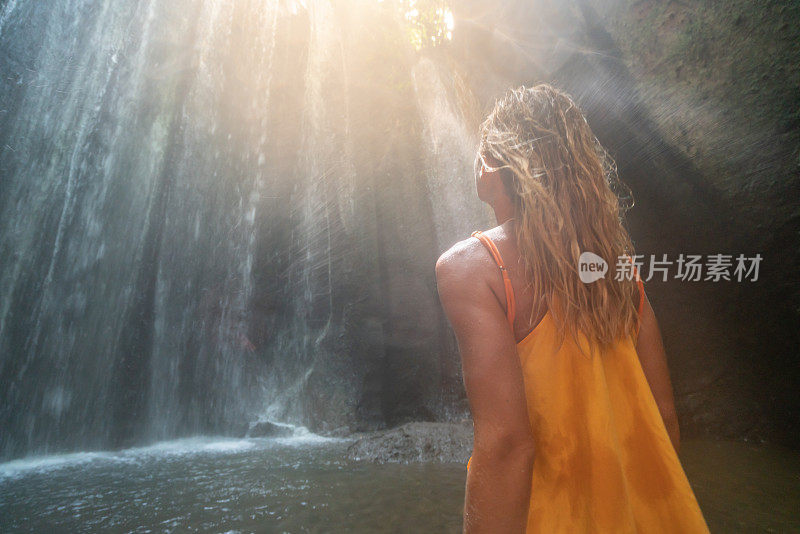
[456, 255]
[470, 255]
[463, 260]
[463, 274]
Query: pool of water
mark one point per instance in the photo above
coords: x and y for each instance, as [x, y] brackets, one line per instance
[304, 484]
[744, 487]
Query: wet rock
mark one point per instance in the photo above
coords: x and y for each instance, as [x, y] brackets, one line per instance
[267, 429]
[239, 429]
[416, 442]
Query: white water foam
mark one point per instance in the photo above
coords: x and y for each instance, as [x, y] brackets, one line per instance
[177, 447]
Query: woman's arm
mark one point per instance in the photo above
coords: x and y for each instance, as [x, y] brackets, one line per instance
[499, 477]
[653, 358]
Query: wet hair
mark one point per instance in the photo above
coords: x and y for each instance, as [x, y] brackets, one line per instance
[568, 199]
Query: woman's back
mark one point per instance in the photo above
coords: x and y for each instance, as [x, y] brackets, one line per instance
[604, 460]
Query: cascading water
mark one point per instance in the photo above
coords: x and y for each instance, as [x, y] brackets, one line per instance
[202, 221]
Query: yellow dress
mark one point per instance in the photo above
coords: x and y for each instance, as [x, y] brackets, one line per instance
[604, 461]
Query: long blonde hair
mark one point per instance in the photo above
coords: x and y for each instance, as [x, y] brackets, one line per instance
[567, 200]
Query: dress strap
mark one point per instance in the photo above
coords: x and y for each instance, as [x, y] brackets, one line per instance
[510, 304]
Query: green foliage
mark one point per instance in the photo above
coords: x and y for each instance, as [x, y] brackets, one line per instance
[429, 23]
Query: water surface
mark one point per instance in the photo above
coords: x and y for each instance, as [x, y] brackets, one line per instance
[304, 484]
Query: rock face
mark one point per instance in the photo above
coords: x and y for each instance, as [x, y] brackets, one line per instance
[267, 429]
[416, 442]
[710, 142]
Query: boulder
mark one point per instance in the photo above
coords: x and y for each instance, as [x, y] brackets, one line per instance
[416, 442]
[267, 429]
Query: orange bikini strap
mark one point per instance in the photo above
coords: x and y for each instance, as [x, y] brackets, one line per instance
[510, 305]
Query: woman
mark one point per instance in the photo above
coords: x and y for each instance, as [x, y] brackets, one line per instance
[574, 419]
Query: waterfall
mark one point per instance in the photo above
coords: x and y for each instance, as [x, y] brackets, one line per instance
[216, 211]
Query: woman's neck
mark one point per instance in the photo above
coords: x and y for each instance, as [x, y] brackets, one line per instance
[501, 204]
[503, 212]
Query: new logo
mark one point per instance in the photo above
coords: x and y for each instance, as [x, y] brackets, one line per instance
[591, 267]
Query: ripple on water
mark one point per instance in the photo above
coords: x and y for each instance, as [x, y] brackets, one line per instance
[262, 485]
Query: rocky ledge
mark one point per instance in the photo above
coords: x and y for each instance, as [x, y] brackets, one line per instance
[416, 442]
